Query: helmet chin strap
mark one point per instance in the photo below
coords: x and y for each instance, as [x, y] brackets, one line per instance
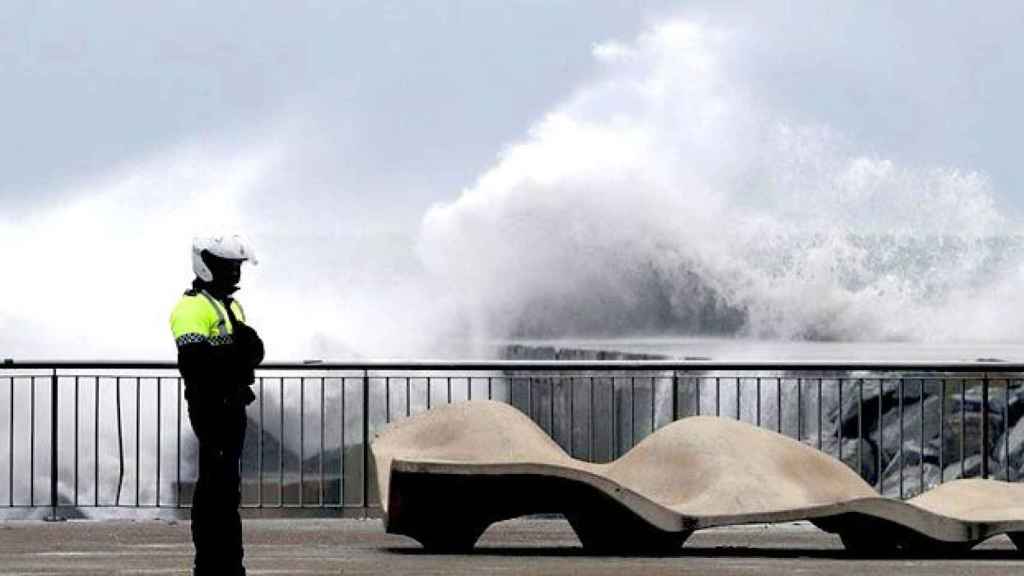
[223, 291]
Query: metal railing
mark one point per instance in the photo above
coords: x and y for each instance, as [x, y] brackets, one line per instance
[306, 447]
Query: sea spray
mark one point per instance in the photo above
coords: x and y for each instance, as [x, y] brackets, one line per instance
[665, 198]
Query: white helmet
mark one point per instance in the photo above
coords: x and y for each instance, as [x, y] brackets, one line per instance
[227, 247]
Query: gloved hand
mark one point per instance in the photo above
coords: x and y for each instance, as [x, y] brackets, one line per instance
[248, 345]
[245, 395]
[248, 353]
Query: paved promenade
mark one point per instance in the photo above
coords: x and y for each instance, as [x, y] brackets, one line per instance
[516, 547]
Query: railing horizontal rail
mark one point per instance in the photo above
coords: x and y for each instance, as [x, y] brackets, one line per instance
[560, 365]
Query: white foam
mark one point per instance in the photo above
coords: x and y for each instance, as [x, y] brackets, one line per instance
[666, 198]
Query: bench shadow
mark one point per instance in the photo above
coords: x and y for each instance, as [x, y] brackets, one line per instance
[711, 552]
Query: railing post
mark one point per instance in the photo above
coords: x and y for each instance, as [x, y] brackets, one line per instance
[366, 443]
[675, 395]
[984, 426]
[54, 468]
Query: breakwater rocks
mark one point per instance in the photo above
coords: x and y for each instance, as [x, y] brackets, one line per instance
[903, 433]
[551, 352]
[916, 433]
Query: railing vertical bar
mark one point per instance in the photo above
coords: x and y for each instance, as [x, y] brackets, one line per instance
[881, 432]
[120, 442]
[1010, 476]
[366, 439]
[387, 399]
[942, 431]
[448, 382]
[429, 379]
[96, 444]
[1006, 430]
[54, 441]
[408, 391]
[758, 417]
[800, 409]
[159, 389]
[739, 413]
[632, 411]
[572, 414]
[177, 495]
[984, 426]
[696, 397]
[469, 387]
[138, 437]
[839, 420]
[302, 442]
[341, 446]
[321, 457]
[1014, 479]
[821, 423]
[920, 464]
[281, 445]
[718, 396]
[675, 396]
[529, 398]
[32, 444]
[259, 447]
[615, 422]
[590, 445]
[490, 388]
[654, 407]
[76, 442]
[551, 408]
[963, 427]
[10, 446]
[860, 427]
[778, 402]
[901, 386]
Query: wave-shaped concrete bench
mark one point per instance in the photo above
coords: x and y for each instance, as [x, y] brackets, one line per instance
[447, 474]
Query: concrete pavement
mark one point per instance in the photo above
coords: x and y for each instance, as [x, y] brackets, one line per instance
[532, 546]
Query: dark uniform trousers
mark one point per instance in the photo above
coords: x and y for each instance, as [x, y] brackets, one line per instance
[216, 524]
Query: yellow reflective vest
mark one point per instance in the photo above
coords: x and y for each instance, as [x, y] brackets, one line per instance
[200, 318]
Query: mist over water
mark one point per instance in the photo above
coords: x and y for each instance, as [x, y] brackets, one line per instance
[666, 199]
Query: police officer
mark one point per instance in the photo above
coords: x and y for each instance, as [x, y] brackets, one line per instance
[217, 354]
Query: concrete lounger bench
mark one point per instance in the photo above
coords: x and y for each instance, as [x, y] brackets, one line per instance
[449, 473]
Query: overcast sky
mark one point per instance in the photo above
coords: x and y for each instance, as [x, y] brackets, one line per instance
[344, 122]
[420, 96]
[401, 100]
